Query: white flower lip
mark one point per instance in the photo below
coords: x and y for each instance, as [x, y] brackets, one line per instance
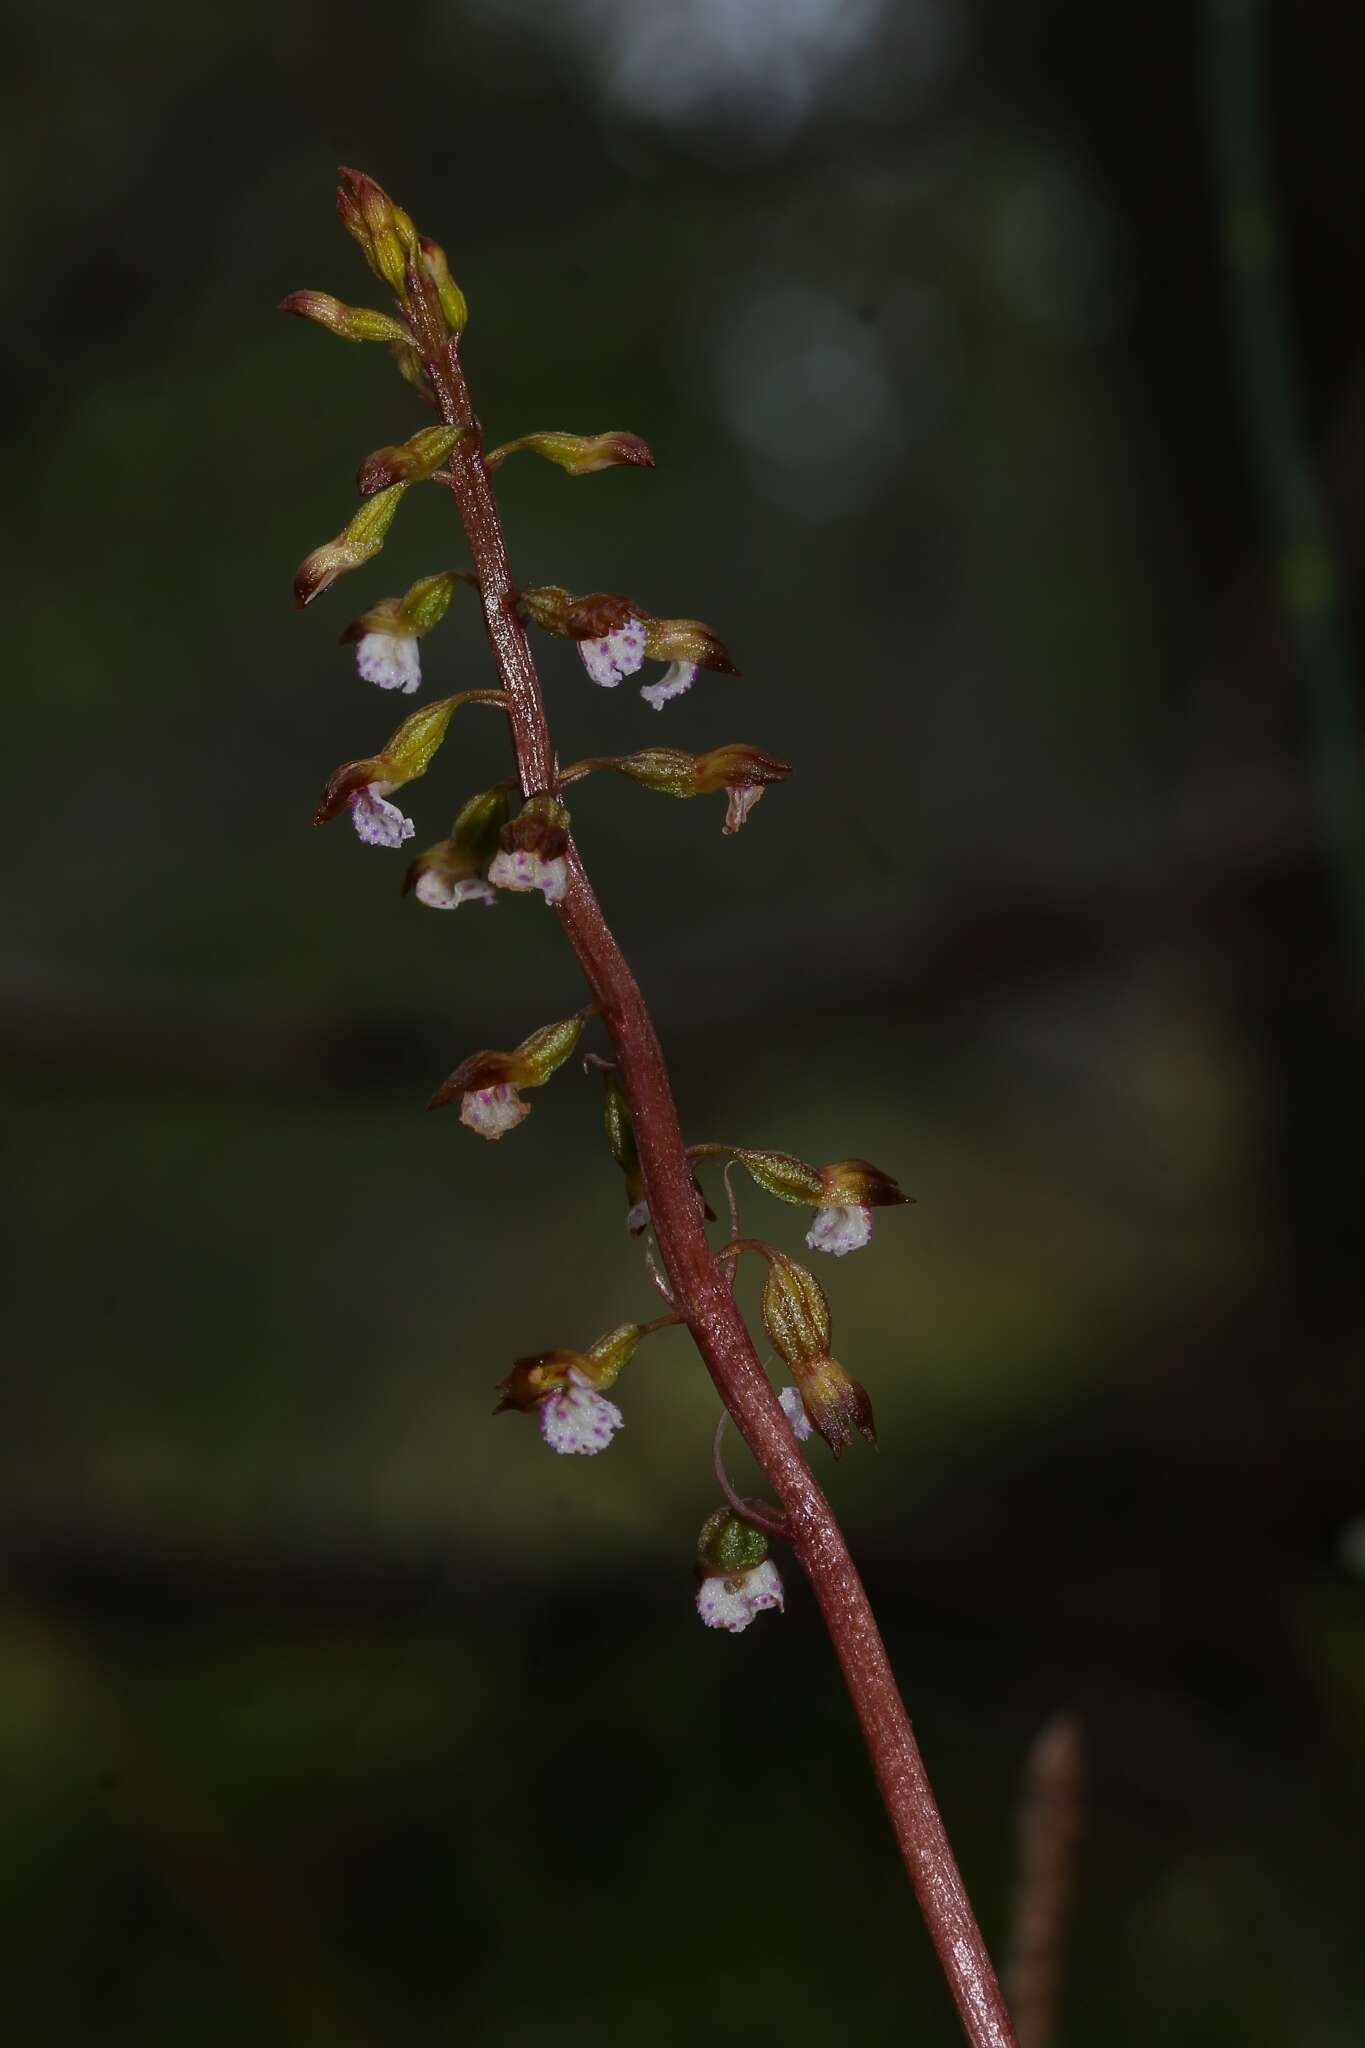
[392, 660]
[616, 655]
[522, 872]
[437, 893]
[840, 1230]
[578, 1421]
[794, 1408]
[732, 1603]
[493, 1111]
[677, 677]
[378, 823]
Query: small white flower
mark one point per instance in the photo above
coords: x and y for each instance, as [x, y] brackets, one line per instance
[376, 822]
[794, 1408]
[677, 677]
[740, 800]
[578, 1421]
[733, 1603]
[437, 893]
[492, 1111]
[393, 660]
[637, 1218]
[525, 871]
[609, 660]
[840, 1230]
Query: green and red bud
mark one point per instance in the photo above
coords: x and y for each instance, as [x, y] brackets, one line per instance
[450, 872]
[351, 323]
[355, 545]
[579, 454]
[453, 307]
[420, 608]
[796, 1316]
[384, 233]
[743, 772]
[411, 462]
[488, 1082]
[616, 1121]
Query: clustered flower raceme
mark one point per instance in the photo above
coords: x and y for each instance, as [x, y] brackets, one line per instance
[489, 848]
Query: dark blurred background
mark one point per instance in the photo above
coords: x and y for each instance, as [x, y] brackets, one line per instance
[332, 1710]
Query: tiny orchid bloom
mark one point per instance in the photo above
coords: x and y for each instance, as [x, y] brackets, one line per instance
[839, 1230]
[732, 1603]
[391, 660]
[493, 1111]
[794, 1408]
[487, 1084]
[532, 849]
[616, 655]
[637, 1217]
[740, 800]
[676, 678]
[438, 893]
[524, 872]
[578, 1421]
[376, 822]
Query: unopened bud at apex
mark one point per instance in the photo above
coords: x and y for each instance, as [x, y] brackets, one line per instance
[579, 454]
[738, 1580]
[364, 785]
[797, 1319]
[351, 323]
[383, 232]
[411, 462]
[532, 850]
[451, 872]
[489, 1083]
[453, 306]
[614, 636]
[386, 635]
[356, 544]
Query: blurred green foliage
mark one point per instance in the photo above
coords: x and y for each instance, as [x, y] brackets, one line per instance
[334, 1711]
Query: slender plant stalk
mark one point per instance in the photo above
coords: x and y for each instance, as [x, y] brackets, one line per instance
[700, 1291]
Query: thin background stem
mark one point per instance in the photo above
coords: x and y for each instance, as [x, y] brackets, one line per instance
[1273, 408]
[698, 1287]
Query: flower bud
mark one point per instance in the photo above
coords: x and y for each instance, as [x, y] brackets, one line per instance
[579, 454]
[411, 462]
[532, 850]
[354, 545]
[738, 1580]
[384, 233]
[742, 771]
[364, 784]
[488, 1083]
[351, 323]
[797, 1319]
[448, 874]
[620, 1132]
[452, 299]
